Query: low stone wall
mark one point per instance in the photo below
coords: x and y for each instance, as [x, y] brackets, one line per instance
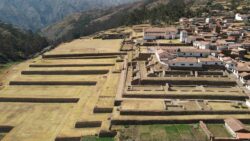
[210, 73]
[80, 83]
[65, 72]
[183, 112]
[40, 100]
[5, 128]
[187, 96]
[88, 124]
[109, 133]
[225, 139]
[203, 126]
[103, 110]
[118, 102]
[218, 120]
[69, 65]
[188, 82]
[68, 139]
[148, 122]
[144, 56]
[82, 54]
[173, 72]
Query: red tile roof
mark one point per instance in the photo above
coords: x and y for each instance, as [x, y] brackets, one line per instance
[243, 136]
[235, 124]
[210, 59]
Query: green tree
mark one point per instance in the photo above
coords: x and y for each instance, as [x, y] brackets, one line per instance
[234, 4]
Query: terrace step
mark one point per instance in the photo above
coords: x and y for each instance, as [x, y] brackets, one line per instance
[82, 54]
[68, 139]
[88, 124]
[186, 96]
[70, 65]
[53, 83]
[39, 100]
[64, 72]
[103, 109]
[183, 112]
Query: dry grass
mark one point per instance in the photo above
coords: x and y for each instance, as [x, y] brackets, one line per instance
[40, 121]
[88, 46]
[147, 105]
[219, 130]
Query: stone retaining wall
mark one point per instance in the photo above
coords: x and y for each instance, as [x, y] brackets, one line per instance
[148, 122]
[209, 135]
[80, 83]
[70, 65]
[178, 72]
[103, 110]
[88, 124]
[65, 72]
[82, 54]
[187, 96]
[40, 100]
[68, 139]
[210, 73]
[183, 112]
[225, 139]
[168, 121]
[188, 82]
[5, 128]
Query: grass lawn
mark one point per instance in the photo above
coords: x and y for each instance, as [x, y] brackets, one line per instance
[218, 130]
[169, 132]
[94, 138]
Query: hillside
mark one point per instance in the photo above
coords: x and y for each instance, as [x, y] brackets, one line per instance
[17, 44]
[36, 14]
[148, 11]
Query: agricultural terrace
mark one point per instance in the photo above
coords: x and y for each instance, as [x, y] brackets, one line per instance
[58, 98]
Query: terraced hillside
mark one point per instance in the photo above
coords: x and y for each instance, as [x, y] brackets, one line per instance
[65, 94]
[105, 87]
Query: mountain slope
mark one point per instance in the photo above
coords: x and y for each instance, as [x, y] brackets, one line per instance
[17, 44]
[36, 14]
[148, 11]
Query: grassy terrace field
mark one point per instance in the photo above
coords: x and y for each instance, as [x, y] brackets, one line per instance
[170, 132]
[219, 130]
[46, 112]
[75, 92]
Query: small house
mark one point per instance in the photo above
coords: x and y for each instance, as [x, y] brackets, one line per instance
[211, 61]
[187, 62]
[235, 126]
[193, 52]
[160, 33]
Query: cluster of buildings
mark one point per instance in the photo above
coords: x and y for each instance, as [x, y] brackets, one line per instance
[216, 42]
